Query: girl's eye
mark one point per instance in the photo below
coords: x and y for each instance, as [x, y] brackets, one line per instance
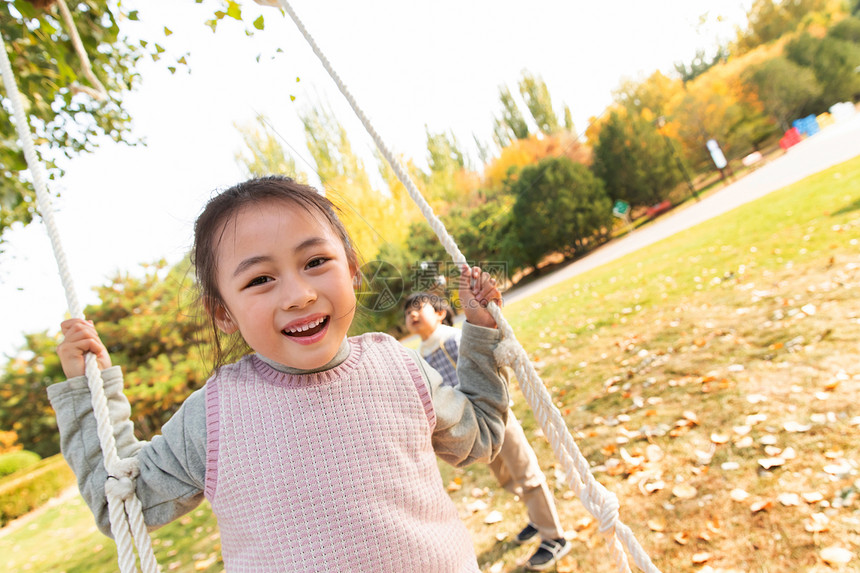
[316, 262]
[258, 281]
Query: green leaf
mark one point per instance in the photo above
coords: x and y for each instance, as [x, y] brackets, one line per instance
[168, 31]
[134, 15]
[258, 23]
[172, 69]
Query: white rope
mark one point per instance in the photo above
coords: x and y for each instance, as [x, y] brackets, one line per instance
[125, 510]
[600, 502]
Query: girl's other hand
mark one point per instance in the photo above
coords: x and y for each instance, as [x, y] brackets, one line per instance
[477, 290]
[80, 337]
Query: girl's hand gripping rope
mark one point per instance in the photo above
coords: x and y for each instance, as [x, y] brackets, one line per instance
[80, 337]
[477, 290]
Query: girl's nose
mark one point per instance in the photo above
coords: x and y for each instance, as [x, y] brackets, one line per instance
[297, 294]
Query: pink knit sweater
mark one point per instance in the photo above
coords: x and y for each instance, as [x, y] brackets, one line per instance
[332, 471]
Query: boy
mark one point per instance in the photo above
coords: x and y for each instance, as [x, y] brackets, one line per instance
[516, 467]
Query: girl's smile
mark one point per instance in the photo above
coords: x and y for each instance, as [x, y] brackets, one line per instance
[286, 283]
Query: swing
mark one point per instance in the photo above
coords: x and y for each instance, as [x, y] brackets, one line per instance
[126, 515]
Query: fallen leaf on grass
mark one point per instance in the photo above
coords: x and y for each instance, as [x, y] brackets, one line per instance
[812, 496]
[767, 440]
[756, 398]
[691, 417]
[742, 430]
[684, 491]
[657, 524]
[789, 499]
[745, 442]
[493, 517]
[476, 506]
[651, 487]
[455, 484]
[681, 538]
[701, 557]
[836, 555]
[653, 453]
[772, 451]
[768, 463]
[817, 523]
[837, 469]
[738, 494]
[796, 427]
[719, 438]
[761, 506]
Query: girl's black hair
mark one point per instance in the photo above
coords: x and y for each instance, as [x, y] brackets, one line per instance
[418, 299]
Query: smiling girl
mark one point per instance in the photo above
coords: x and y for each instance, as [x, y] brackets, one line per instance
[316, 451]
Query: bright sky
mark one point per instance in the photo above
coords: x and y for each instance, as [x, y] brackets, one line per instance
[409, 65]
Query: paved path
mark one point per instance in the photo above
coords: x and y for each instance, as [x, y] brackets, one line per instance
[833, 145]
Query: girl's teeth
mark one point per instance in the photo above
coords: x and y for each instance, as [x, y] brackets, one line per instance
[307, 326]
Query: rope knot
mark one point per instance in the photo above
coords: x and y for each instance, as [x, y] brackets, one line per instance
[506, 352]
[608, 511]
[119, 488]
[120, 484]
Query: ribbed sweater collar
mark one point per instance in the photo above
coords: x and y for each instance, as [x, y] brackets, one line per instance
[282, 374]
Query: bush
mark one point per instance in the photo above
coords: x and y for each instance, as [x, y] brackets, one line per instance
[27, 489]
[14, 461]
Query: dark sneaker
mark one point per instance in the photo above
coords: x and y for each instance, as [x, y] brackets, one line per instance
[527, 533]
[548, 554]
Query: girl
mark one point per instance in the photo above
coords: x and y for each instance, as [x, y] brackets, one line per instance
[516, 467]
[316, 451]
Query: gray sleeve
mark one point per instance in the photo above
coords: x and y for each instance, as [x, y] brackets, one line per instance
[172, 465]
[470, 418]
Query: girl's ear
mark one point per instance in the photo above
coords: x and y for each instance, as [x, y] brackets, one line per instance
[222, 317]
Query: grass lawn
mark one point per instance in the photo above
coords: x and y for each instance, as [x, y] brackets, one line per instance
[711, 380]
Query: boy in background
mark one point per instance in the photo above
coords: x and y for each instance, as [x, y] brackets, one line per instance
[516, 467]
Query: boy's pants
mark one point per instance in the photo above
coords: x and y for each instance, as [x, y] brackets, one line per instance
[516, 467]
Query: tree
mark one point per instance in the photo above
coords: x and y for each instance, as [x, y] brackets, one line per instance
[539, 103]
[151, 326]
[24, 406]
[370, 216]
[650, 97]
[512, 125]
[446, 161]
[72, 107]
[700, 64]
[66, 111]
[634, 160]
[834, 62]
[768, 20]
[524, 152]
[264, 153]
[784, 88]
[847, 29]
[559, 207]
